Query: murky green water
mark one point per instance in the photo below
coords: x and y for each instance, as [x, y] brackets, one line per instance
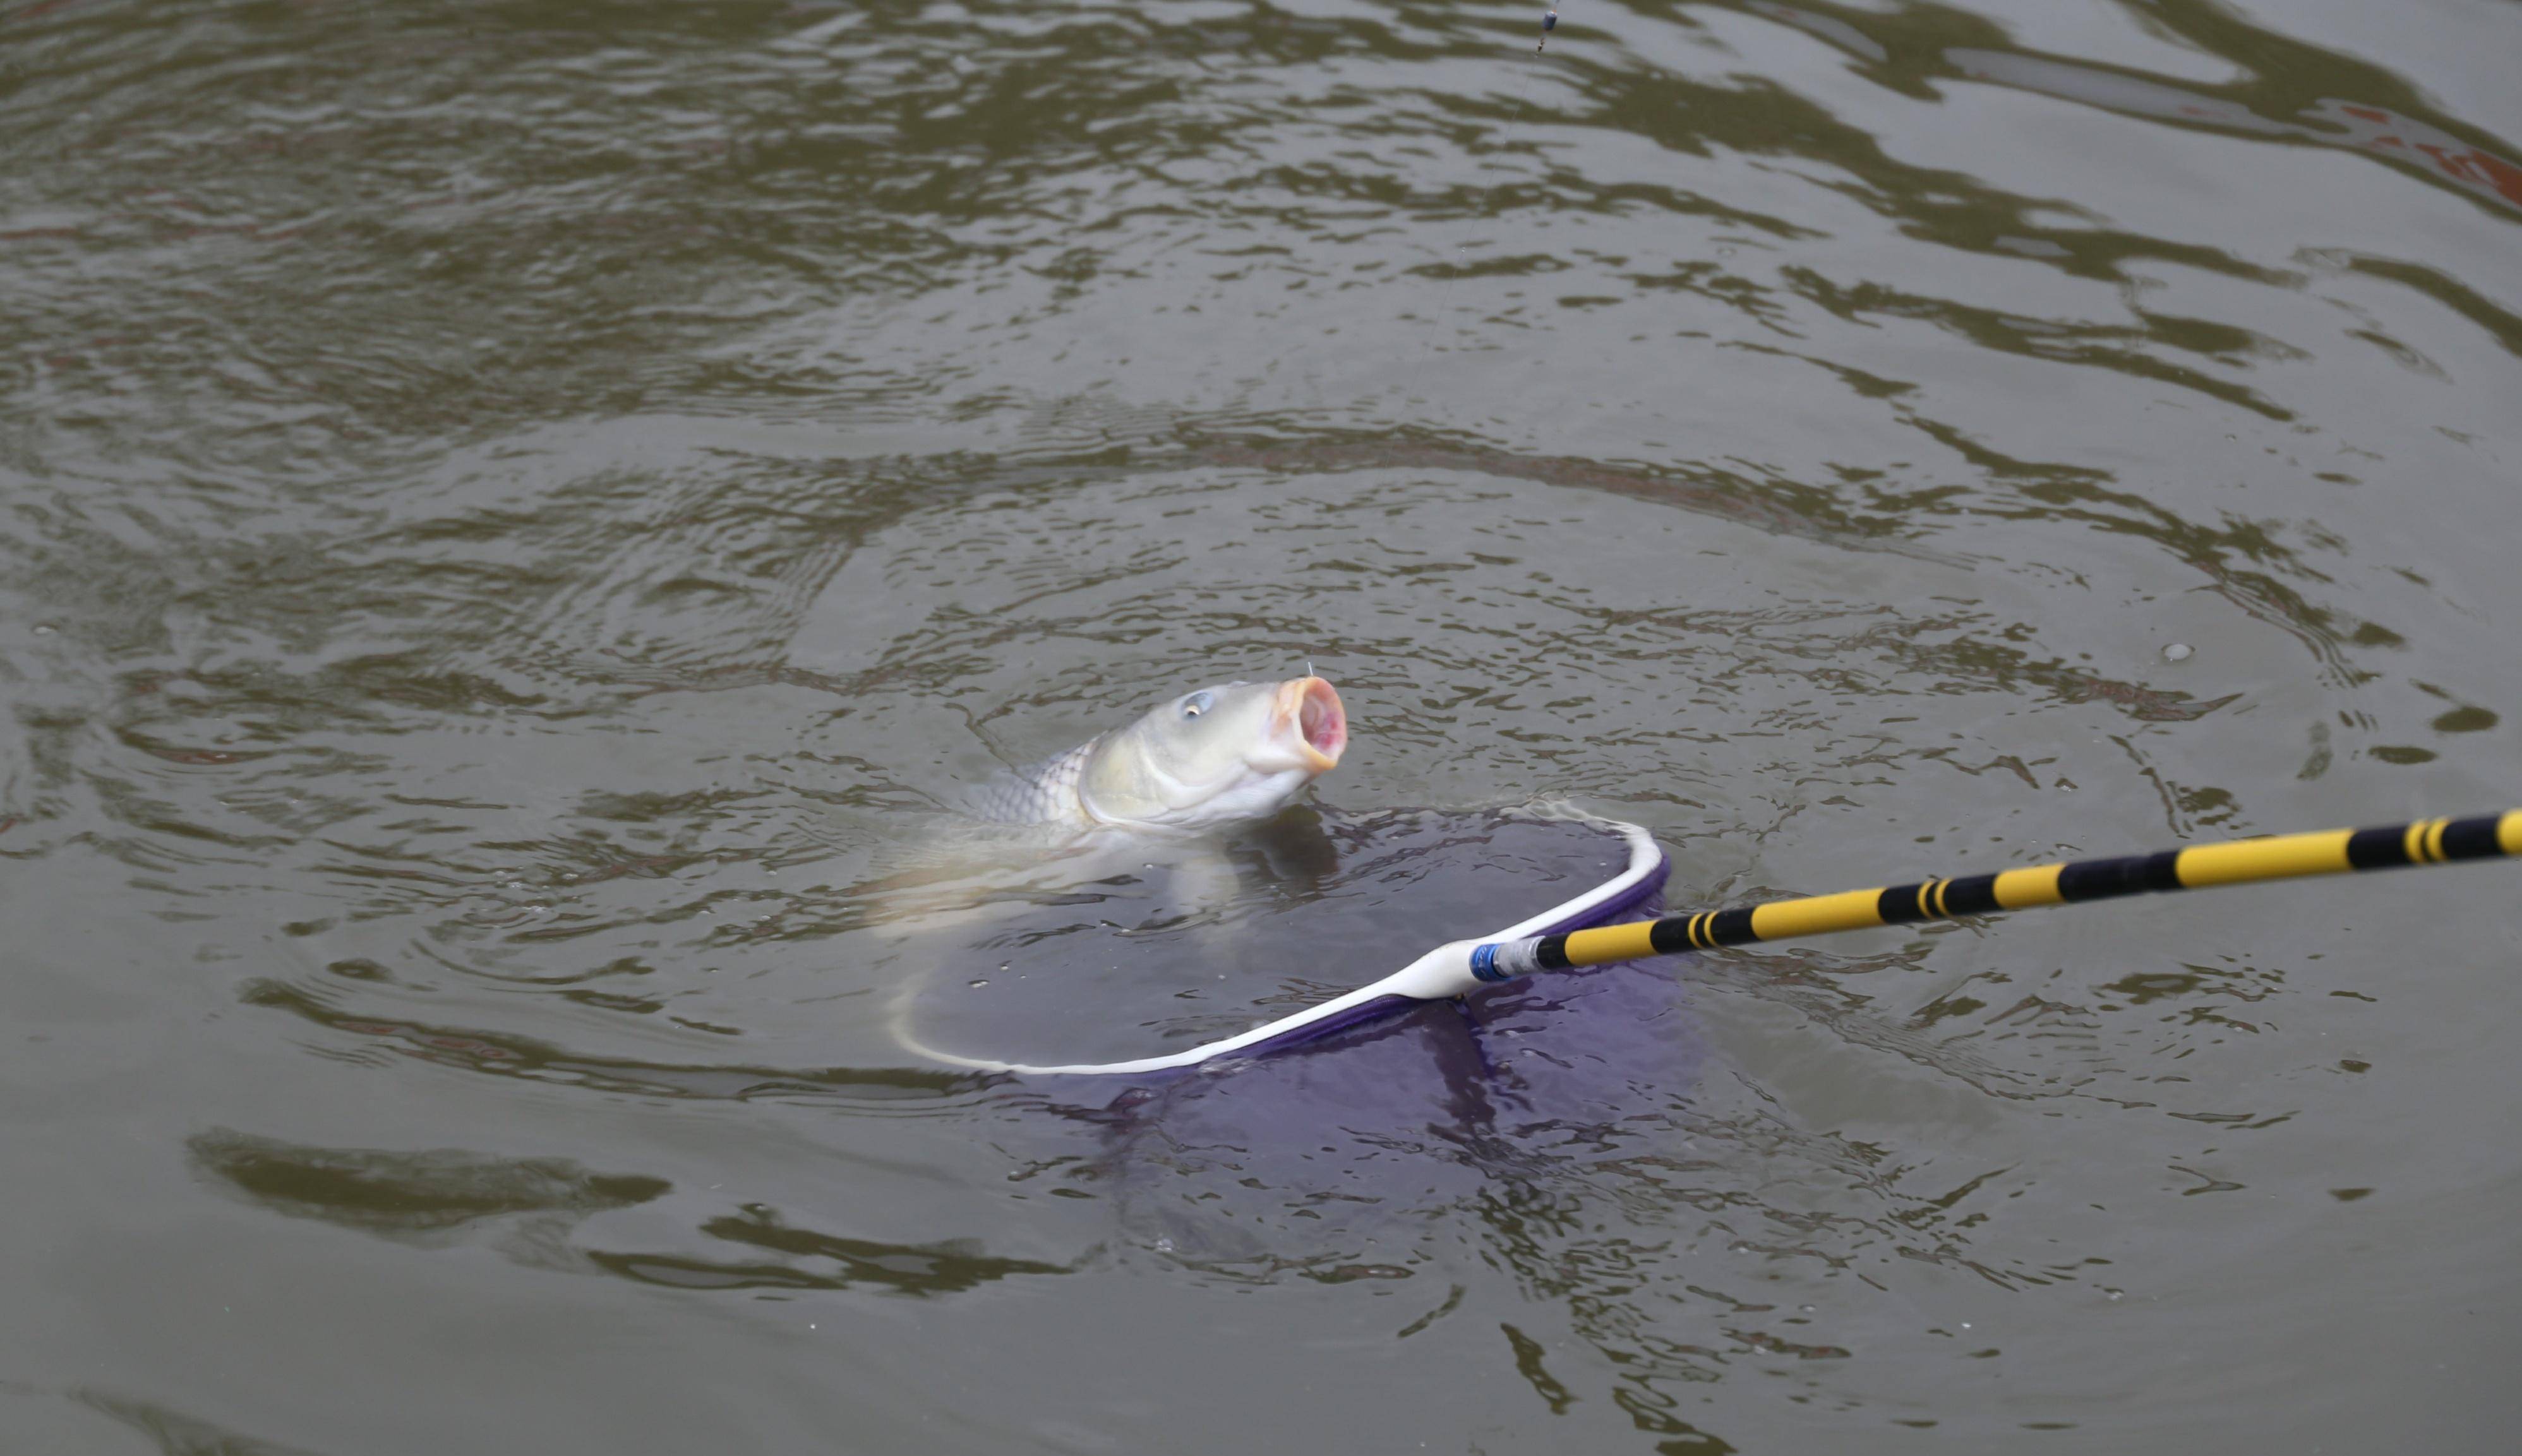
[516, 513]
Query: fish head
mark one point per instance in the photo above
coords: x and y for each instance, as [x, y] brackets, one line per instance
[1215, 754]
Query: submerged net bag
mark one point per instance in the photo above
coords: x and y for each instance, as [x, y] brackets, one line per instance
[1281, 929]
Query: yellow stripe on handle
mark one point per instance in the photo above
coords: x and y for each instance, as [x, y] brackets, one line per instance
[1849, 910]
[2285, 857]
[1619, 942]
[2023, 890]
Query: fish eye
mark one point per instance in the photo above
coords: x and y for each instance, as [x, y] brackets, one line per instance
[1196, 703]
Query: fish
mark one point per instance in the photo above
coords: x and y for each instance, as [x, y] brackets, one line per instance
[1138, 805]
[1221, 754]
[1153, 794]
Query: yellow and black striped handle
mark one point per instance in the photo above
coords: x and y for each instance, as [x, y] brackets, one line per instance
[2333, 852]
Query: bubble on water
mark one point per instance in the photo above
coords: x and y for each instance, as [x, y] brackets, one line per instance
[2177, 652]
[45, 630]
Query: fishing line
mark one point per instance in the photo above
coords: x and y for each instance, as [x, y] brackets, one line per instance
[1458, 266]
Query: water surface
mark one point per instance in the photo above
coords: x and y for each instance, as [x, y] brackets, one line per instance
[518, 516]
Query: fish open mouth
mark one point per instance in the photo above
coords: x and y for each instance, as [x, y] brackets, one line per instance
[1311, 709]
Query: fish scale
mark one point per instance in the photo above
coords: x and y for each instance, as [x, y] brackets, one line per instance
[1044, 793]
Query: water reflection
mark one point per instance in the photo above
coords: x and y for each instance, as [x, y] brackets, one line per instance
[2288, 90]
[410, 1194]
[174, 1433]
[530, 1207]
[797, 1258]
[504, 1054]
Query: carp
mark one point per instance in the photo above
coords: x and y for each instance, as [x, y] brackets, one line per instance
[1215, 755]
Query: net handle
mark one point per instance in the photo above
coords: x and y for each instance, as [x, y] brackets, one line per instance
[2335, 851]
